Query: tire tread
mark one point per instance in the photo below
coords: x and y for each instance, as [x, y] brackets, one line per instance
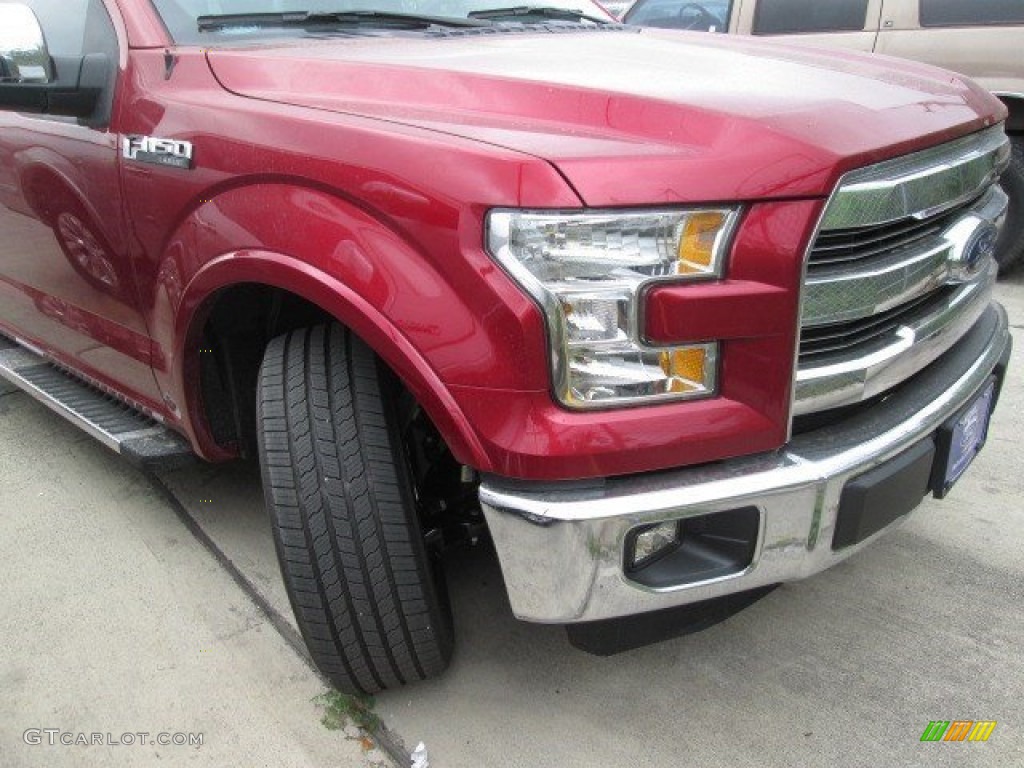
[344, 524]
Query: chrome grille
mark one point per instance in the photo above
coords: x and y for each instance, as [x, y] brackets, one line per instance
[845, 246]
[892, 280]
[863, 335]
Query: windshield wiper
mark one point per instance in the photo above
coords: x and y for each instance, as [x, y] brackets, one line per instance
[310, 19]
[543, 11]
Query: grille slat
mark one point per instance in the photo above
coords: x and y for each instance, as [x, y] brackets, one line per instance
[846, 254]
[846, 246]
[849, 337]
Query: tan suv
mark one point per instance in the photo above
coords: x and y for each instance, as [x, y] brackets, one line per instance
[983, 39]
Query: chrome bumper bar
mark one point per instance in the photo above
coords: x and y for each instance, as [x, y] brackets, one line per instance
[562, 546]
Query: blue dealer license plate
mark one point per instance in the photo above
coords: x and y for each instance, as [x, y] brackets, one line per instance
[966, 435]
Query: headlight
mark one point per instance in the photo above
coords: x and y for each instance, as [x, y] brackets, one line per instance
[588, 271]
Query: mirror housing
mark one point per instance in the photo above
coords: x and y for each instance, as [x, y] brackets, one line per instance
[29, 80]
[24, 57]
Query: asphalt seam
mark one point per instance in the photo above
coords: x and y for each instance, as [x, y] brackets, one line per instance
[389, 742]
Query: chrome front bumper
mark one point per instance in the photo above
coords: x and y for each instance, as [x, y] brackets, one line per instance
[562, 546]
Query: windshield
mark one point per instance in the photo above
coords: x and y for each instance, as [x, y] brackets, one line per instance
[182, 16]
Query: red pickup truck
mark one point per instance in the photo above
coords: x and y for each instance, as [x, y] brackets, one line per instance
[671, 318]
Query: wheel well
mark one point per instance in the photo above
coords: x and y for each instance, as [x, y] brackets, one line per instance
[1015, 122]
[241, 322]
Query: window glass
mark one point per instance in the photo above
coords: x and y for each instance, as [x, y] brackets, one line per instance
[789, 17]
[965, 13]
[708, 16]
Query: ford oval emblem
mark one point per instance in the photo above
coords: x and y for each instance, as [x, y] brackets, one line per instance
[980, 248]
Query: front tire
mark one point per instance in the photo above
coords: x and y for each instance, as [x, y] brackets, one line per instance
[371, 604]
[1010, 246]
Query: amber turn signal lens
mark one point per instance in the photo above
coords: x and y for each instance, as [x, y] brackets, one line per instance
[685, 368]
[697, 243]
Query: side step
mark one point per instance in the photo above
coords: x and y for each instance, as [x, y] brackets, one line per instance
[117, 425]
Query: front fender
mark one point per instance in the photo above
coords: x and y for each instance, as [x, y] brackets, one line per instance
[434, 326]
[341, 302]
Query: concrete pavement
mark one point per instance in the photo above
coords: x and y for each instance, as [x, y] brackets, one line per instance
[114, 620]
[844, 669]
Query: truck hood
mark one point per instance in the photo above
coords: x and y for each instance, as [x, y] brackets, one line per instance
[628, 116]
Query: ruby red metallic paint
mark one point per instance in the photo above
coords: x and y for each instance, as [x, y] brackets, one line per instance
[632, 118]
[358, 174]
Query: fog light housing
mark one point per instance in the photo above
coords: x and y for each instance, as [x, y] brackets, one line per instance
[651, 542]
[692, 550]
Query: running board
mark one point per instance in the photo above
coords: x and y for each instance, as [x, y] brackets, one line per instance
[117, 425]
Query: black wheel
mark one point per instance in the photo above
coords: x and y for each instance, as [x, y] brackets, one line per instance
[1010, 247]
[371, 604]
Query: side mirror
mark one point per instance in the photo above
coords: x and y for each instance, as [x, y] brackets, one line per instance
[23, 54]
[29, 81]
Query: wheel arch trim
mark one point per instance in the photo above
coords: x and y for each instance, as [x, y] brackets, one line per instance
[286, 273]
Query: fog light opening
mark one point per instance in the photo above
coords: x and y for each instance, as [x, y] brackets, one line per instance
[692, 550]
[652, 542]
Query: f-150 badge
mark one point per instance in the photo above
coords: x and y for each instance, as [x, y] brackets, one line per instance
[146, 149]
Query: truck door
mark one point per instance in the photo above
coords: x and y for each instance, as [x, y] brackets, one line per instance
[66, 282]
[827, 23]
[981, 38]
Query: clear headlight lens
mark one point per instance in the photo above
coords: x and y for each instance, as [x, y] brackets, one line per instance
[587, 271]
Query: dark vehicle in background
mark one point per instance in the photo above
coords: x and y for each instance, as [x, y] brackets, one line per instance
[978, 38]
